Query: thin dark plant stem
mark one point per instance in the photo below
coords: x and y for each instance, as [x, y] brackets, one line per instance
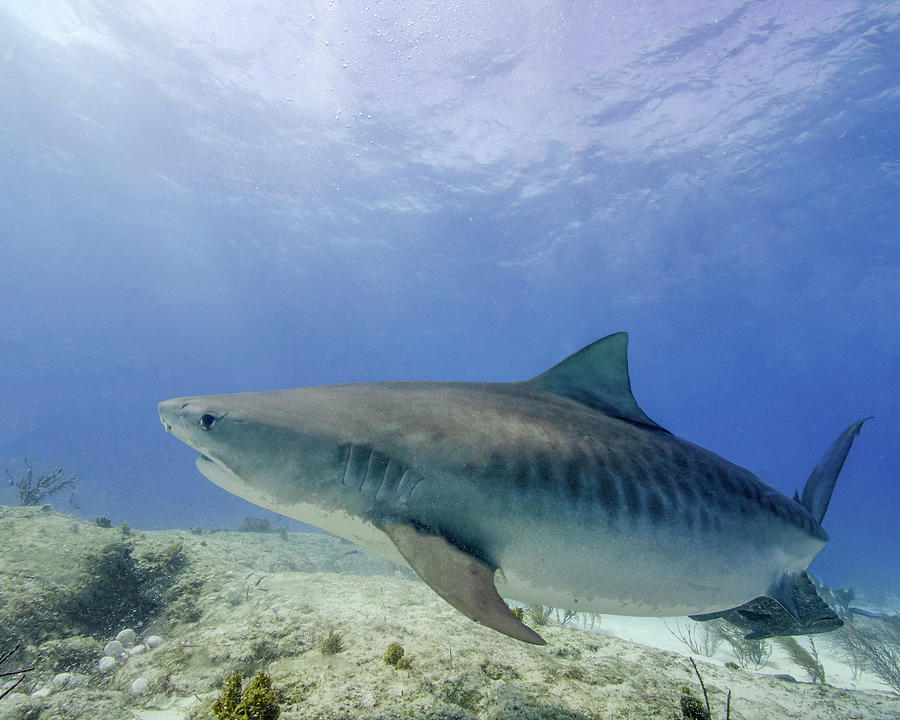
[22, 672]
[728, 707]
[700, 678]
[4, 658]
[13, 687]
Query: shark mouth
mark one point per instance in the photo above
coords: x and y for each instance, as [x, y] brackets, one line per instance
[204, 460]
[207, 464]
[218, 473]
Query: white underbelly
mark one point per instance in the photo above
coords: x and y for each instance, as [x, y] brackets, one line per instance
[626, 575]
[526, 591]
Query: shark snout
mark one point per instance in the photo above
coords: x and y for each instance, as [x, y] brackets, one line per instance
[167, 413]
[175, 414]
[189, 419]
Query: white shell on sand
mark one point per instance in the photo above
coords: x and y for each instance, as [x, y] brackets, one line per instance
[113, 648]
[139, 685]
[60, 680]
[127, 637]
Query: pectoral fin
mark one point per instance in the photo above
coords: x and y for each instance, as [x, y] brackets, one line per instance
[463, 580]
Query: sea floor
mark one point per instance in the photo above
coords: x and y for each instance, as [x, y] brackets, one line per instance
[249, 602]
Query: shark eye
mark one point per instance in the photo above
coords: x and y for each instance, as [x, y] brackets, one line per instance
[207, 421]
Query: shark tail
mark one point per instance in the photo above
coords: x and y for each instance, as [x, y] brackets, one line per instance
[792, 606]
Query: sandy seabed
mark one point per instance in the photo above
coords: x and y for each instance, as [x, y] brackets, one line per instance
[264, 601]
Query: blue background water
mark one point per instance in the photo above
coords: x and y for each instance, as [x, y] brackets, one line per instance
[202, 198]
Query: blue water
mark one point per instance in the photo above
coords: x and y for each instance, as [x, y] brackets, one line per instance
[203, 198]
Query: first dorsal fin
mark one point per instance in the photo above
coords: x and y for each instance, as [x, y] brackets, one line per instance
[597, 376]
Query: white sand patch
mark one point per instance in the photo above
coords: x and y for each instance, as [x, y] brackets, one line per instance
[653, 632]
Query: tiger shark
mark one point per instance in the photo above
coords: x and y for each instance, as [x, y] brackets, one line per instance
[558, 490]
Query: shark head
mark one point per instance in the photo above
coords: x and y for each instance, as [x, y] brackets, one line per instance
[259, 447]
[314, 454]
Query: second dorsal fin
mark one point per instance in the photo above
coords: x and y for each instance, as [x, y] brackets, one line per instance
[597, 376]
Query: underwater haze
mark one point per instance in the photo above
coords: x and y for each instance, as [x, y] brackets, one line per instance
[205, 198]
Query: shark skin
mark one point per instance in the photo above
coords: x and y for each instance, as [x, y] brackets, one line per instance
[558, 490]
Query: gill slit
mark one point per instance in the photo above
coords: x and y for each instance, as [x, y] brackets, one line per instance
[384, 477]
[347, 464]
[368, 469]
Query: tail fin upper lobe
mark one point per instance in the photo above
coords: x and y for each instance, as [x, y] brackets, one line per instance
[817, 493]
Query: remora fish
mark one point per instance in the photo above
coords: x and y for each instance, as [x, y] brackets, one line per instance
[558, 490]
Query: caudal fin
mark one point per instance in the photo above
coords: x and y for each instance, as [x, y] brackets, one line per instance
[817, 493]
[792, 606]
